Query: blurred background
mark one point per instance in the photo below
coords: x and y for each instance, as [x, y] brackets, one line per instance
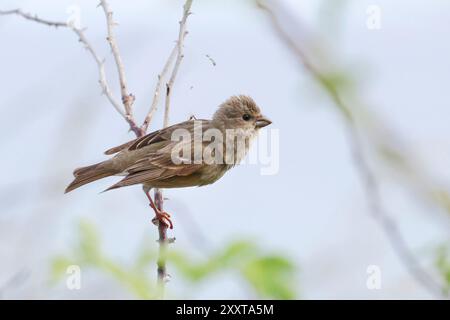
[306, 232]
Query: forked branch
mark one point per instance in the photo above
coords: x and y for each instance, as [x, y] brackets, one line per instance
[157, 93]
[162, 228]
[127, 98]
[126, 108]
[100, 62]
[177, 54]
[180, 44]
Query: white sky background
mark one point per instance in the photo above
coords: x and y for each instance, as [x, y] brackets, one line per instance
[53, 119]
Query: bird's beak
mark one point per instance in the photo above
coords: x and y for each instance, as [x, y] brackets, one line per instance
[262, 121]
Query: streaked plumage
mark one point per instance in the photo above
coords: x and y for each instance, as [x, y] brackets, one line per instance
[148, 160]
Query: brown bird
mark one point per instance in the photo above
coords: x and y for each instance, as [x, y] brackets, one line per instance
[154, 160]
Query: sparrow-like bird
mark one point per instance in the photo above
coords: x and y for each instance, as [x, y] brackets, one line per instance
[149, 160]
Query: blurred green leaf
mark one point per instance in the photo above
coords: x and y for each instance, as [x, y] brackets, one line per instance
[393, 156]
[88, 253]
[136, 282]
[237, 251]
[59, 266]
[89, 245]
[442, 263]
[271, 277]
[145, 256]
[230, 257]
[337, 81]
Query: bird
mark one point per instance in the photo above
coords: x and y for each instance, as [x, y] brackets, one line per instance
[154, 160]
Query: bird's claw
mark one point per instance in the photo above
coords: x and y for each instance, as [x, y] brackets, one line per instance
[162, 217]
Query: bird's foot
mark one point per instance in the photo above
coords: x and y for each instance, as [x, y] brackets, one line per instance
[162, 217]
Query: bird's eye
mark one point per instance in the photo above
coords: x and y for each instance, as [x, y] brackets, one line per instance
[246, 117]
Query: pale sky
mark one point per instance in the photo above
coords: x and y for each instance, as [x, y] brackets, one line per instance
[53, 119]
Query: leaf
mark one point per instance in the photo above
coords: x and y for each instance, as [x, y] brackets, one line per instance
[136, 282]
[59, 267]
[88, 249]
[232, 256]
[442, 262]
[237, 251]
[271, 276]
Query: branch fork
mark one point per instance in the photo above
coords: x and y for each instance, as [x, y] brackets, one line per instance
[125, 106]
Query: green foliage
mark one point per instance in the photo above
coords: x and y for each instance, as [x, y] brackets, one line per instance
[88, 253]
[269, 275]
[335, 83]
[442, 262]
[338, 81]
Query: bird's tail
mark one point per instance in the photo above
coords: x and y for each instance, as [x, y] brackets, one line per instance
[91, 173]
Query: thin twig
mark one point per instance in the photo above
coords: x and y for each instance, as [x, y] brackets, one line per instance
[162, 254]
[156, 95]
[127, 98]
[180, 43]
[368, 178]
[177, 52]
[101, 71]
[34, 18]
[162, 228]
[213, 62]
[82, 38]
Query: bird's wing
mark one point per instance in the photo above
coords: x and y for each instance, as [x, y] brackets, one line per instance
[156, 136]
[119, 148]
[158, 164]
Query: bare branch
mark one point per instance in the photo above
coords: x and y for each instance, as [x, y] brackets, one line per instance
[177, 52]
[127, 98]
[82, 38]
[101, 70]
[34, 18]
[180, 43]
[368, 178]
[162, 276]
[156, 95]
[162, 228]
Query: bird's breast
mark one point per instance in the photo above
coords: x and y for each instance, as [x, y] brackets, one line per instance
[211, 173]
[241, 144]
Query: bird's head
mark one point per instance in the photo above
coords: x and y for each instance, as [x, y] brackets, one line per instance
[240, 112]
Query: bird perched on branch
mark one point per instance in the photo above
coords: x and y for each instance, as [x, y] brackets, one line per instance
[190, 153]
